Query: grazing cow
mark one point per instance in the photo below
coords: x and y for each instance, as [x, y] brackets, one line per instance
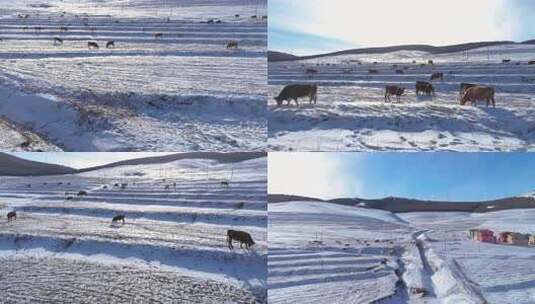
[476, 93]
[430, 62]
[264, 17]
[254, 17]
[400, 72]
[506, 60]
[426, 87]
[110, 44]
[58, 41]
[92, 45]
[463, 87]
[372, 71]
[117, 218]
[167, 187]
[393, 90]
[11, 216]
[437, 75]
[225, 183]
[158, 35]
[237, 16]
[63, 29]
[531, 62]
[82, 193]
[311, 71]
[232, 45]
[295, 91]
[123, 186]
[240, 236]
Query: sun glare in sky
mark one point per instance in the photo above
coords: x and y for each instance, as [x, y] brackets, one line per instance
[370, 23]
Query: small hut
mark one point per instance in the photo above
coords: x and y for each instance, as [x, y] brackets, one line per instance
[531, 241]
[515, 238]
[482, 235]
[502, 237]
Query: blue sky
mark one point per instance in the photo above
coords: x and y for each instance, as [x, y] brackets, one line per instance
[83, 159]
[305, 27]
[433, 176]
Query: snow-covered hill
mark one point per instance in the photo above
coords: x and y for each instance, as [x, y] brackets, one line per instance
[186, 86]
[177, 215]
[351, 114]
[327, 253]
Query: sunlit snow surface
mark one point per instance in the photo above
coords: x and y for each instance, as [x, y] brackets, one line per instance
[183, 92]
[351, 114]
[326, 253]
[172, 247]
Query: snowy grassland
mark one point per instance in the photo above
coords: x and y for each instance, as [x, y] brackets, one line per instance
[351, 114]
[326, 253]
[323, 253]
[186, 86]
[500, 273]
[172, 247]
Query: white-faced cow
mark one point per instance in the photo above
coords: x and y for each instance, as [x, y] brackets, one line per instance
[476, 93]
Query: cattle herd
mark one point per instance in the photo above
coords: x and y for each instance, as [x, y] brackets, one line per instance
[241, 236]
[93, 45]
[468, 92]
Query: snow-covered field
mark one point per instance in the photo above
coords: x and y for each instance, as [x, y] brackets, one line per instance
[326, 253]
[501, 273]
[172, 248]
[184, 91]
[323, 253]
[351, 114]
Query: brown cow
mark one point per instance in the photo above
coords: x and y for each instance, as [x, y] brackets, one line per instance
[531, 62]
[232, 45]
[465, 86]
[372, 71]
[430, 62]
[295, 91]
[393, 90]
[158, 35]
[117, 218]
[240, 236]
[424, 86]
[92, 45]
[437, 75]
[400, 72]
[476, 93]
[311, 71]
[506, 60]
[11, 216]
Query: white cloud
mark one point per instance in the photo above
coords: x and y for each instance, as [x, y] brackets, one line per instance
[321, 175]
[388, 22]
